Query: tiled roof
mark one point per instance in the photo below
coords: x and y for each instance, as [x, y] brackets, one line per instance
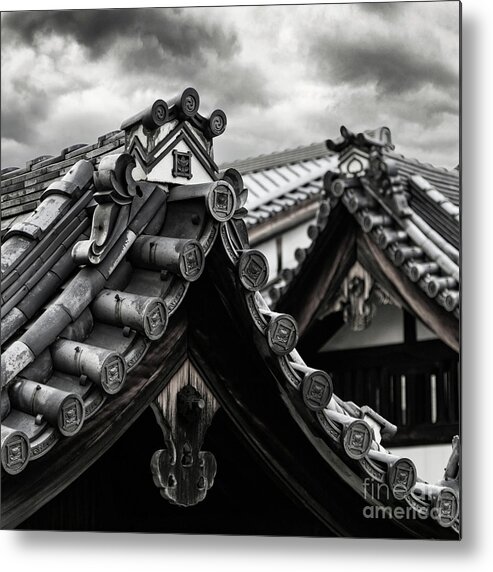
[280, 158]
[277, 189]
[22, 187]
[407, 215]
[446, 181]
[277, 182]
[91, 278]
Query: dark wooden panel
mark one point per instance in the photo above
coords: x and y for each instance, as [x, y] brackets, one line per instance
[426, 434]
[420, 355]
[243, 500]
[374, 376]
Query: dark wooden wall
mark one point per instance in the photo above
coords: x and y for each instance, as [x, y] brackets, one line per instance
[427, 372]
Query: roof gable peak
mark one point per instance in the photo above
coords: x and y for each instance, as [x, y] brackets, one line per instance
[172, 142]
[381, 137]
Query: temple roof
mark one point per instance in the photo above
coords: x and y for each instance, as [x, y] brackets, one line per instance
[279, 182]
[94, 282]
[408, 211]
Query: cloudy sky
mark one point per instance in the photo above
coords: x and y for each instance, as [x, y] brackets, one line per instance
[285, 75]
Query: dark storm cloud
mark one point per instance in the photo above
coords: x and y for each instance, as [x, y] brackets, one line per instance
[385, 9]
[389, 64]
[172, 29]
[162, 49]
[17, 119]
[69, 76]
[27, 102]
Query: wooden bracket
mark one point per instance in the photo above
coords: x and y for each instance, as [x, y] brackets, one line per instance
[184, 410]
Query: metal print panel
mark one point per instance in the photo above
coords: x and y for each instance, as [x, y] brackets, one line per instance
[231, 270]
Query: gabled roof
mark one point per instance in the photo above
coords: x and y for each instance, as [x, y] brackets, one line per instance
[403, 216]
[278, 183]
[94, 323]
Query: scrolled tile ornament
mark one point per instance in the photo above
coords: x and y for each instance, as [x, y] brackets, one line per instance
[151, 118]
[446, 507]
[115, 191]
[186, 105]
[71, 416]
[60, 409]
[216, 124]
[317, 390]
[357, 439]
[15, 451]
[113, 374]
[147, 315]
[157, 116]
[155, 319]
[282, 333]
[401, 477]
[253, 270]
[113, 179]
[221, 201]
[190, 103]
[192, 261]
[219, 196]
[235, 179]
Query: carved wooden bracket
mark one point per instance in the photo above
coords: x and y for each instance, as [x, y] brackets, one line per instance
[358, 298]
[184, 410]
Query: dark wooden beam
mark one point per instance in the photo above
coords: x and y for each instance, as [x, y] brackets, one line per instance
[291, 218]
[427, 354]
[323, 271]
[43, 479]
[443, 323]
[409, 327]
[318, 333]
[425, 434]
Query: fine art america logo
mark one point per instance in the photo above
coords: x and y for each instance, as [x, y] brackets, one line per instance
[444, 509]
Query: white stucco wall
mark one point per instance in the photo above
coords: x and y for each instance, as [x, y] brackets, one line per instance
[430, 460]
[387, 327]
[290, 241]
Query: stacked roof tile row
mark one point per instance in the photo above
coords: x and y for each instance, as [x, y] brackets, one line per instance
[22, 188]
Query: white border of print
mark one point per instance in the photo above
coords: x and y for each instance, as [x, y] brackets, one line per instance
[126, 552]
